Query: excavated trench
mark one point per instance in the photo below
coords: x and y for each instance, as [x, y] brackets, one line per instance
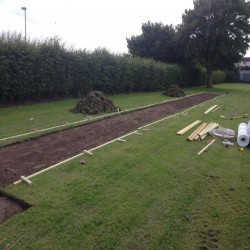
[31, 156]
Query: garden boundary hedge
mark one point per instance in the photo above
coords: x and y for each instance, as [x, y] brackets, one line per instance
[37, 70]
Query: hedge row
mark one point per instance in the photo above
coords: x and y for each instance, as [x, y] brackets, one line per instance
[46, 70]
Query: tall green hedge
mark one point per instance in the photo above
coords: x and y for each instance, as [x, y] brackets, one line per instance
[38, 70]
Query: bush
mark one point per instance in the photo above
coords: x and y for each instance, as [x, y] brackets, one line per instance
[219, 76]
[36, 70]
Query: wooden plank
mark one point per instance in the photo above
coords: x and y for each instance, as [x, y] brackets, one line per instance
[209, 128]
[197, 137]
[203, 137]
[215, 109]
[208, 145]
[25, 180]
[210, 109]
[198, 130]
[87, 152]
[184, 130]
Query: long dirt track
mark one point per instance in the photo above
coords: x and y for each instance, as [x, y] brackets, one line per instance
[31, 156]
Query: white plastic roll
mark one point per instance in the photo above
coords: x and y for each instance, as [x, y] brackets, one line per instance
[243, 138]
[248, 128]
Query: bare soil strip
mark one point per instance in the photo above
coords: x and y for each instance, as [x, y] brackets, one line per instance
[9, 206]
[36, 154]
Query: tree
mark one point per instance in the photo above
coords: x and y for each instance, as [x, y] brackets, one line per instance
[156, 41]
[216, 33]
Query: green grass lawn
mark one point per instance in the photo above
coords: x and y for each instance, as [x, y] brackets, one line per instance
[153, 192]
[29, 118]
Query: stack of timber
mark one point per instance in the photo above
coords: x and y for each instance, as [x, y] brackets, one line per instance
[194, 135]
[201, 132]
[187, 128]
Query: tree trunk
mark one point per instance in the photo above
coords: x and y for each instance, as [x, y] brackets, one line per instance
[209, 83]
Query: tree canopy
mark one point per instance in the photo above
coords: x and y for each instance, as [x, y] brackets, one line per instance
[216, 33]
[157, 41]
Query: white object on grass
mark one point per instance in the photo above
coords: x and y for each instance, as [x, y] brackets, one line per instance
[208, 145]
[87, 152]
[243, 137]
[210, 109]
[25, 180]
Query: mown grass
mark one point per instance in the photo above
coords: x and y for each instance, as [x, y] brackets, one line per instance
[153, 192]
[29, 118]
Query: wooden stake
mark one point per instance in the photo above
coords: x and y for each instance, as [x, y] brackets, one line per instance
[209, 144]
[215, 109]
[184, 130]
[25, 180]
[87, 152]
[210, 109]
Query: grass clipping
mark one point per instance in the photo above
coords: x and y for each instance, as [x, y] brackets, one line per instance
[174, 91]
[94, 103]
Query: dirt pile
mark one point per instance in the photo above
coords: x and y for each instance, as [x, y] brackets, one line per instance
[174, 91]
[94, 103]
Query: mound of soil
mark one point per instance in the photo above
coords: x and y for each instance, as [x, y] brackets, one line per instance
[174, 91]
[94, 103]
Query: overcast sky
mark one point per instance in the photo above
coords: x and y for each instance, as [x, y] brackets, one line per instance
[90, 24]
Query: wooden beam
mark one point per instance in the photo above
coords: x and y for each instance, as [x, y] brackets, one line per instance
[203, 136]
[208, 145]
[208, 128]
[87, 152]
[210, 109]
[198, 130]
[184, 130]
[25, 180]
[197, 137]
[215, 109]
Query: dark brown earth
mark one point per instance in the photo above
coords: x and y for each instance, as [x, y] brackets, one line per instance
[94, 103]
[33, 155]
[10, 206]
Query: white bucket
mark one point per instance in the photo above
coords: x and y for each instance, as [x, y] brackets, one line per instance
[243, 138]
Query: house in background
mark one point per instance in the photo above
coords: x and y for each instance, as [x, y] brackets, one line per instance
[244, 69]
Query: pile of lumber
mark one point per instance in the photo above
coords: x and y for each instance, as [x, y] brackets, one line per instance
[199, 133]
